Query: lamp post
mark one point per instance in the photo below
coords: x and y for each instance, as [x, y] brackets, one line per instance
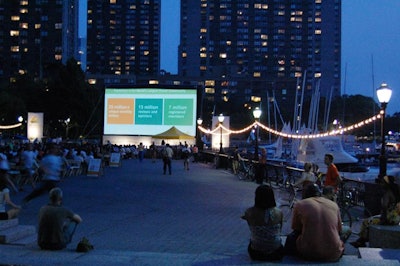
[384, 92]
[20, 120]
[221, 120]
[256, 113]
[67, 121]
[199, 122]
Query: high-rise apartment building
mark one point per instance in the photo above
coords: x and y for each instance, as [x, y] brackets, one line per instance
[123, 37]
[30, 36]
[260, 48]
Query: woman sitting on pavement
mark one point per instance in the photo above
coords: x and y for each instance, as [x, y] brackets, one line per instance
[390, 214]
[265, 223]
[5, 196]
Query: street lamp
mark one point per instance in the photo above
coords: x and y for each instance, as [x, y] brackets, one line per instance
[384, 92]
[67, 121]
[257, 114]
[199, 122]
[221, 120]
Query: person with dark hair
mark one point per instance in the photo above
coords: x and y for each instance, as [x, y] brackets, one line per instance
[390, 212]
[316, 223]
[57, 224]
[167, 154]
[51, 166]
[332, 177]
[5, 196]
[265, 223]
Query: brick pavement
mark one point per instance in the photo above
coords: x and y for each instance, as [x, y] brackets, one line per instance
[135, 215]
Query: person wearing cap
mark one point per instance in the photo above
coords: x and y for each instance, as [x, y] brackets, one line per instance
[5, 196]
[390, 211]
[316, 223]
[57, 224]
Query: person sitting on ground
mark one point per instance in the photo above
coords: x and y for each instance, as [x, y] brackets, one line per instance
[390, 213]
[5, 196]
[307, 177]
[265, 223]
[57, 224]
[316, 223]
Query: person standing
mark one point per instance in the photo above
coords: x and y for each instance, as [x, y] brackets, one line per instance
[185, 155]
[265, 222]
[141, 151]
[57, 224]
[51, 166]
[153, 150]
[317, 225]
[332, 177]
[168, 153]
[235, 160]
[195, 151]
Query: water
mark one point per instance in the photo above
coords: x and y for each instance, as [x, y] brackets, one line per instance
[372, 174]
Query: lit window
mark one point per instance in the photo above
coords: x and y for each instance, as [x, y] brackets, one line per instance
[58, 26]
[57, 57]
[37, 26]
[317, 75]
[203, 55]
[92, 81]
[23, 11]
[222, 55]
[15, 18]
[113, 1]
[203, 68]
[228, 42]
[23, 3]
[202, 30]
[256, 74]
[23, 25]
[184, 54]
[317, 19]
[153, 82]
[210, 82]
[318, 32]
[14, 33]
[146, 52]
[14, 48]
[209, 90]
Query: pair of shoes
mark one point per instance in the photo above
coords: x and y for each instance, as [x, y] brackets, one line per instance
[358, 244]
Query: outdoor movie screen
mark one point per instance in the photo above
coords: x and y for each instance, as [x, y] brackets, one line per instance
[149, 111]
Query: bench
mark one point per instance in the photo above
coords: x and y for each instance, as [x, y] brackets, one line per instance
[384, 236]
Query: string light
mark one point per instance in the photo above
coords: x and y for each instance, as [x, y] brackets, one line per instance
[11, 126]
[227, 131]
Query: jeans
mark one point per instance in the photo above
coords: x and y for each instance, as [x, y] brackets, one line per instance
[68, 231]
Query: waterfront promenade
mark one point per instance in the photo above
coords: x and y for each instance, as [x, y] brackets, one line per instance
[135, 215]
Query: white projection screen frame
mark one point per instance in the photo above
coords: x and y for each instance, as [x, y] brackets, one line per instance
[149, 111]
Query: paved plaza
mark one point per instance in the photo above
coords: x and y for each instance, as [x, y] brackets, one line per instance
[135, 215]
